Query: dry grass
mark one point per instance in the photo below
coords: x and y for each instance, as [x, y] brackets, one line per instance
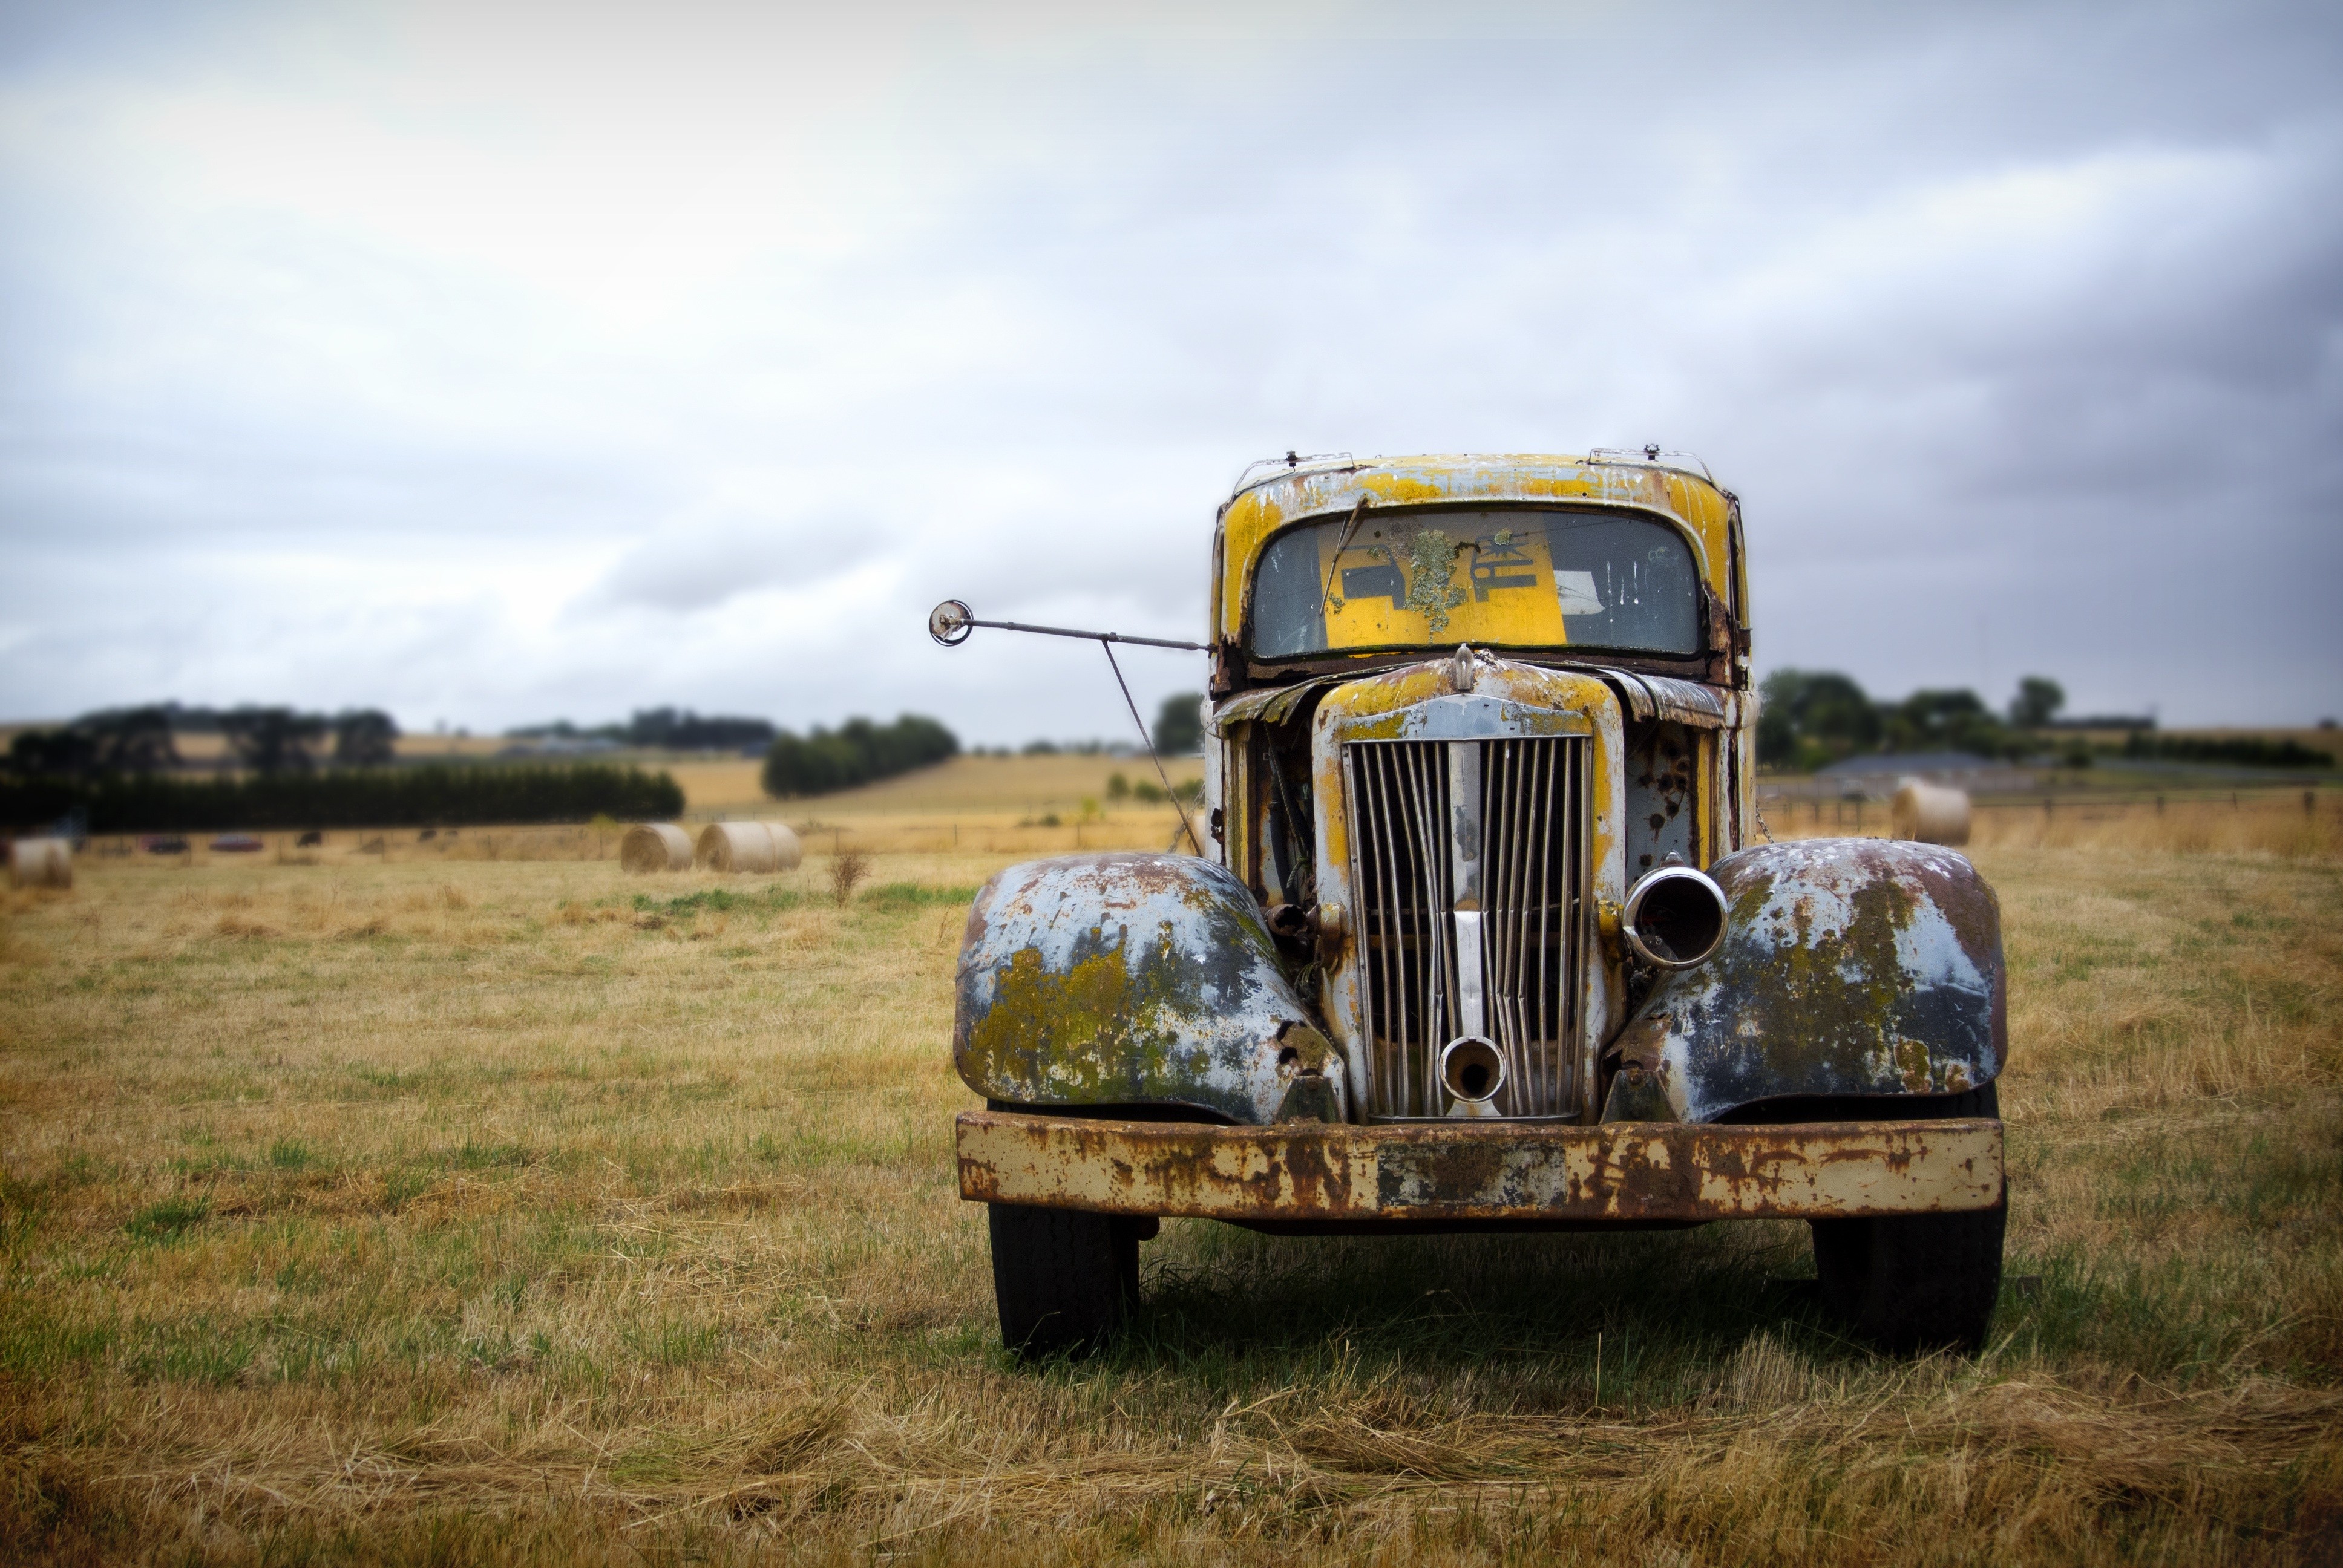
[2290, 824]
[986, 789]
[505, 1210]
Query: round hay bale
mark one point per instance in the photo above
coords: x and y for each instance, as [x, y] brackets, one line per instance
[1931, 813]
[655, 847]
[40, 863]
[749, 847]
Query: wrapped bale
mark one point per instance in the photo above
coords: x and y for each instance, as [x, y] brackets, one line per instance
[655, 847]
[749, 847]
[1931, 813]
[40, 863]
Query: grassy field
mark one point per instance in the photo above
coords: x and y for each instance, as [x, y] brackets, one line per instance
[442, 1205]
[968, 787]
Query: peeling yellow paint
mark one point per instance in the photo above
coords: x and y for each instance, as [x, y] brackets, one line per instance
[1697, 508]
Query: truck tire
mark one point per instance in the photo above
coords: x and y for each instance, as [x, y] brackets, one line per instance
[1063, 1278]
[1915, 1282]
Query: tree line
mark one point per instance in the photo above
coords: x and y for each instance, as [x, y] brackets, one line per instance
[1810, 719]
[662, 729]
[429, 794]
[142, 740]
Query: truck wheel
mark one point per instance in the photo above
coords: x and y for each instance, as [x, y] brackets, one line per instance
[1063, 1278]
[1912, 1282]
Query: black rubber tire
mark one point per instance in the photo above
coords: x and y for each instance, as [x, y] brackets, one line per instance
[1063, 1279]
[1916, 1282]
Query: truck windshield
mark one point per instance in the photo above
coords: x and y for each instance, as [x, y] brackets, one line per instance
[1513, 577]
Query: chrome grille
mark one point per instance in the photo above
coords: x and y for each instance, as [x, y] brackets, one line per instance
[1467, 865]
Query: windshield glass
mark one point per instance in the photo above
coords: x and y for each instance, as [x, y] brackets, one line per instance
[1518, 576]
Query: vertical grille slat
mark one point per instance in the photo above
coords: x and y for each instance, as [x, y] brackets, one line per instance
[1533, 809]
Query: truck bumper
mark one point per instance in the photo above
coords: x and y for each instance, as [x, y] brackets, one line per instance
[1316, 1173]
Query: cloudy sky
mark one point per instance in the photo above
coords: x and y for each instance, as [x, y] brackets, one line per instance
[493, 362]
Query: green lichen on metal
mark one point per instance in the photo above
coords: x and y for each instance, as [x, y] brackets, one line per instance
[1432, 588]
[1115, 979]
[1830, 997]
[1837, 989]
[1082, 1031]
[1851, 968]
[1311, 1098]
[1107, 1029]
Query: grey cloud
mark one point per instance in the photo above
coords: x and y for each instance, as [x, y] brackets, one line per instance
[706, 561]
[1091, 282]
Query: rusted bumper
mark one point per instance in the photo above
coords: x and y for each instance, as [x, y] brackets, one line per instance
[1488, 1171]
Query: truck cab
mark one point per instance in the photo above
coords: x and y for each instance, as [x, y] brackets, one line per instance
[1481, 934]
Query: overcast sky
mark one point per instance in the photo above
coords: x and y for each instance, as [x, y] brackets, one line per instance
[491, 363]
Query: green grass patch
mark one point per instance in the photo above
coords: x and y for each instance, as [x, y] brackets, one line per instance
[719, 900]
[290, 1154]
[897, 896]
[675, 1341]
[474, 1156]
[168, 1219]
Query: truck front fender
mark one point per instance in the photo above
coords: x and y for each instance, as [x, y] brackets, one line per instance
[1849, 967]
[1132, 979]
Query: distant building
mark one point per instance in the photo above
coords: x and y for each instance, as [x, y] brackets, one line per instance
[1878, 774]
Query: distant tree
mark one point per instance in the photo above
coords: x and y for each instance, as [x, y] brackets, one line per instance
[1179, 728]
[688, 731]
[134, 739]
[365, 738]
[64, 753]
[111, 740]
[1806, 717]
[859, 752]
[2037, 702]
[273, 740]
[1952, 719]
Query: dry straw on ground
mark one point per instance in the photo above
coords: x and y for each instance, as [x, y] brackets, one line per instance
[847, 872]
[513, 1212]
[40, 863]
[752, 847]
[649, 846]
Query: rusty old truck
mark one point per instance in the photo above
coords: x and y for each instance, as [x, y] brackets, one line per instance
[1479, 933]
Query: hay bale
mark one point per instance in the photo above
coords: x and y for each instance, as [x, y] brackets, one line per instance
[1930, 813]
[655, 847]
[749, 847]
[40, 863]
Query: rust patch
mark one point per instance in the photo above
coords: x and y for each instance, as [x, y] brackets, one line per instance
[1503, 1172]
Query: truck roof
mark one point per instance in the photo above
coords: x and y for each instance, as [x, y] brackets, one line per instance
[1272, 494]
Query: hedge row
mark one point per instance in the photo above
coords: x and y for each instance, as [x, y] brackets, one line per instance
[433, 795]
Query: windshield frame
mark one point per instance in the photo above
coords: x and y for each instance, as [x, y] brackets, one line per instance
[1299, 662]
